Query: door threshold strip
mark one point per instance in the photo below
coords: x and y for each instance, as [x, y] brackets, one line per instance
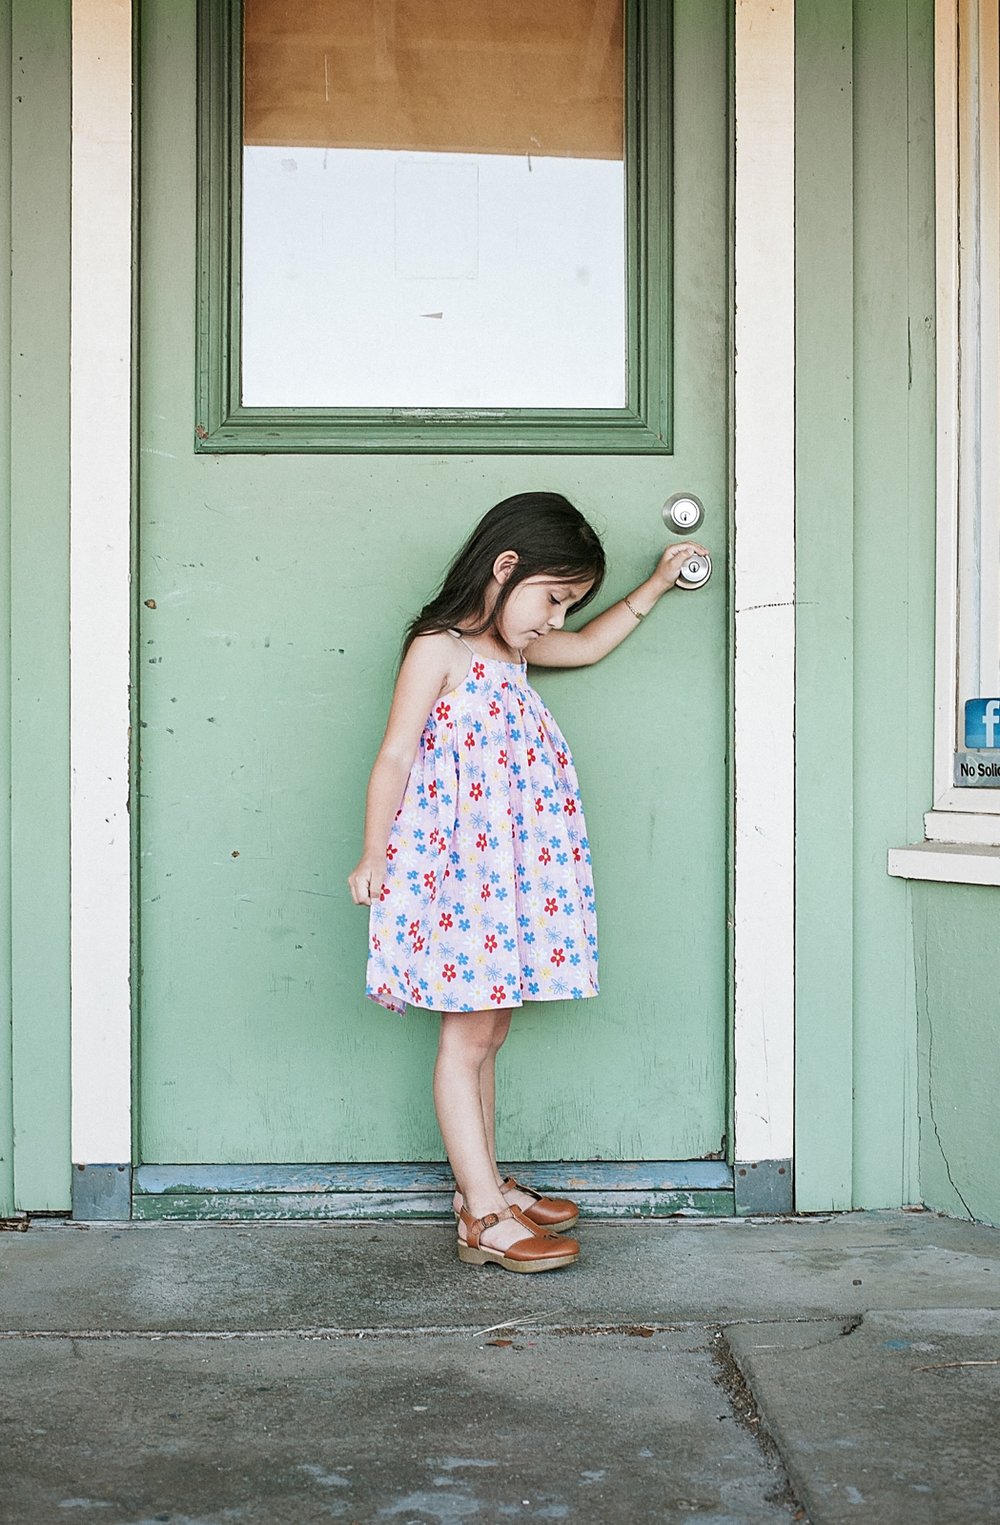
[422, 1190]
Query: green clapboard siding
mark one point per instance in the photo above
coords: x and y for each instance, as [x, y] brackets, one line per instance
[35, 1046]
[281, 587]
[957, 961]
[824, 457]
[865, 548]
[894, 567]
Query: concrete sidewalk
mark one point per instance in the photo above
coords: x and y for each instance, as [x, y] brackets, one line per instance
[823, 1369]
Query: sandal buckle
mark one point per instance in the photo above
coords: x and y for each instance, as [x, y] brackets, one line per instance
[489, 1220]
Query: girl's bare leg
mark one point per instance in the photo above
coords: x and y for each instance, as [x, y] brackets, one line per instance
[487, 1090]
[467, 1045]
[488, 1087]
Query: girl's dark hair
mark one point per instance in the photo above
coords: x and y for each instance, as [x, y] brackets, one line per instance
[550, 536]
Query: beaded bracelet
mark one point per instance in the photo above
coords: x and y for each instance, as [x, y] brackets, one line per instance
[628, 604]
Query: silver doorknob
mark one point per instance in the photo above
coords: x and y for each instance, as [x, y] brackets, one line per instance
[695, 572]
[683, 513]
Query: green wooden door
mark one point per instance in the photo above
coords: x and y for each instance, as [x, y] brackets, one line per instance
[272, 591]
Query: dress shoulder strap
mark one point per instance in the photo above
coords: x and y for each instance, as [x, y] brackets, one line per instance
[459, 637]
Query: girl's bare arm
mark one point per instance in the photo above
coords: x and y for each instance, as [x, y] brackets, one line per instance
[581, 648]
[427, 672]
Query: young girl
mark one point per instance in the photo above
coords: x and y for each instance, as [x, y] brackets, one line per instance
[476, 862]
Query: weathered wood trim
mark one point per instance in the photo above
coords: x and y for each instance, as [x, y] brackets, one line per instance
[603, 1189]
[100, 598]
[764, 678]
[559, 1176]
[413, 1205]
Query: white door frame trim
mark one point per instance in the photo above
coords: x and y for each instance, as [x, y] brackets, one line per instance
[764, 551]
[100, 581]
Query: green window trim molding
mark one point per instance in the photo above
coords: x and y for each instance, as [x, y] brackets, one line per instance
[642, 427]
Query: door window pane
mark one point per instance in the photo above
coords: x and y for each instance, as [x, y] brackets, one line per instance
[434, 208]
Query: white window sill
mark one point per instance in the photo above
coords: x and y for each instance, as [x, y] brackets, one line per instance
[946, 862]
[980, 827]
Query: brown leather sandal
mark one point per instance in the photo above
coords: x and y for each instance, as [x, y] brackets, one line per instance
[554, 1214]
[538, 1252]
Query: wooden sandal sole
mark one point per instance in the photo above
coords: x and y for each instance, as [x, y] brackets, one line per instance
[561, 1228]
[481, 1257]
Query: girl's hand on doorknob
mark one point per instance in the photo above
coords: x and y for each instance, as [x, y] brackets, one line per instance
[672, 561]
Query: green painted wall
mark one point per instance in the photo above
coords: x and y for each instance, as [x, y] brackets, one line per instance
[894, 566]
[34, 481]
[956, 950]
[865, 537]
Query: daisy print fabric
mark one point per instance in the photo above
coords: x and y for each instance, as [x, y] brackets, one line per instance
[488, 896]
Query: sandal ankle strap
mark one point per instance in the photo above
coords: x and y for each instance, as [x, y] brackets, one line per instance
[475, 1226]
[516, 1186]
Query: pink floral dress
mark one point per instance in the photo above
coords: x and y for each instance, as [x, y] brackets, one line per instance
[488, 897]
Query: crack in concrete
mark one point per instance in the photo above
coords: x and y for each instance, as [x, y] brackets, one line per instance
[847, 1328]
[728, 1376]
[420, 1331]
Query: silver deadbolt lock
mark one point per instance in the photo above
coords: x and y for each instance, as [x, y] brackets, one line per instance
[695, 572]
[683, 513]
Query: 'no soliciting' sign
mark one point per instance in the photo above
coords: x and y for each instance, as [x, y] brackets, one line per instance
[979, 766]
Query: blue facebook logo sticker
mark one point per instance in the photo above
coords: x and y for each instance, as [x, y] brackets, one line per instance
[982, 723]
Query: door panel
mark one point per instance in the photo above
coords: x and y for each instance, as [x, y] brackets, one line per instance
[273, 592]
